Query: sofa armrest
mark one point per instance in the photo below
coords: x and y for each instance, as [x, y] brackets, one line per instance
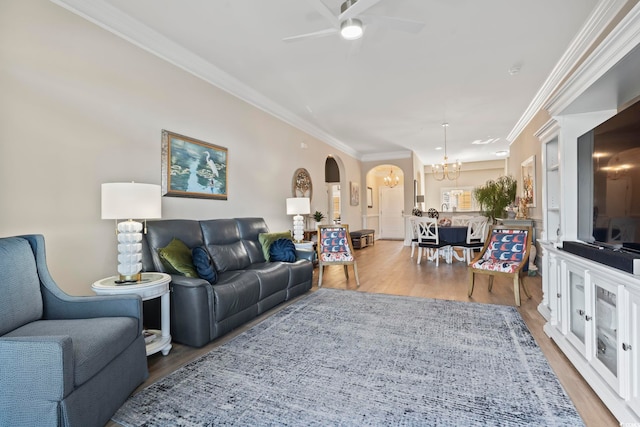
[309, 255]
[35, 368]
[88, 307]
[192, 310]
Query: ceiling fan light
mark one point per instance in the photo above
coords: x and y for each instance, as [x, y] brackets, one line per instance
[351, 29]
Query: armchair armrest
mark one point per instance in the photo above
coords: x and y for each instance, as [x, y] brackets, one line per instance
[35, 368]
[86, 307]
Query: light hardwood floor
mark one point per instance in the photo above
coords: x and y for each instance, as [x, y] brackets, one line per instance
[387, 268]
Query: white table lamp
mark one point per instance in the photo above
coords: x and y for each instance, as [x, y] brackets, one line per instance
[129, 200]
[298, 206]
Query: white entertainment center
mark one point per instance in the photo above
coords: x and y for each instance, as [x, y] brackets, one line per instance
[592, 310]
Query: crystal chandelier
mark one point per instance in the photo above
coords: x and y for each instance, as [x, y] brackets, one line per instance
[391, 180]
[444, 169]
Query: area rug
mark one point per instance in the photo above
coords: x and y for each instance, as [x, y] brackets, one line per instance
[348, 358]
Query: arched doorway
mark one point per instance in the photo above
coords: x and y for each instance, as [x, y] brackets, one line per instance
[334, 193]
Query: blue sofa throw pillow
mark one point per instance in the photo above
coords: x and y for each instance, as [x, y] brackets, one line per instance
[282, 250]
[204, 266]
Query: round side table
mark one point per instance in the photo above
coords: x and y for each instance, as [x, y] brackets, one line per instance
[152, 285]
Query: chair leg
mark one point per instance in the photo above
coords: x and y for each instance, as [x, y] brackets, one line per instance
[490, 282]
[419, 254]
[471, 279]
[346, 272]
[516, 288]
[320, 269]
[355, 273]
[413, 248]
[524, 288]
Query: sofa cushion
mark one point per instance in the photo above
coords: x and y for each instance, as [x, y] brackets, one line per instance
[204, 266]
[96, 342]
[282, 250]
[176, 258]
[267, 239]
[21, 300]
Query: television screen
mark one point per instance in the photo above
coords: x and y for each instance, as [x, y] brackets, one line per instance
[609, 181]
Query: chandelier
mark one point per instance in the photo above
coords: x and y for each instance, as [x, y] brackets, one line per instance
[391, 180]
[444, 169]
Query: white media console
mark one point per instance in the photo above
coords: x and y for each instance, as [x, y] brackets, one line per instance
[593, 314]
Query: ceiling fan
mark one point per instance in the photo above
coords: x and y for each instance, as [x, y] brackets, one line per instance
[349, 22]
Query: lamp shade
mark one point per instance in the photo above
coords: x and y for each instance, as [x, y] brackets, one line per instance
[129, 200]
[298, 206]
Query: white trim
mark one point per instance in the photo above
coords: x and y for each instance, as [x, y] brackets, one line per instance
[548, 131]
[391, 155]
[622, 39]
[602, 15]
[113, 20]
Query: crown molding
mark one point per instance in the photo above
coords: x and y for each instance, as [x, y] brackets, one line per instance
[602, 15]
[548, 131]
[122, 25]
[618, 43]
[391, 155]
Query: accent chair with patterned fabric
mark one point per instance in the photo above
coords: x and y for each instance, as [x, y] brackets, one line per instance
[335, 248]
[64, 360]
[505, 253]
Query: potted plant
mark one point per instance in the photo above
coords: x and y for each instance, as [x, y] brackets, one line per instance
[495, 196]
[318, 217]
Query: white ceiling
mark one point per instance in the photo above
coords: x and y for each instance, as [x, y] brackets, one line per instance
[379, 97]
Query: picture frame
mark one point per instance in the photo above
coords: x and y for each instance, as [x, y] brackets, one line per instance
[302, 185]
[193, 168]
[369, 197]
[528, 181]
[354, 192]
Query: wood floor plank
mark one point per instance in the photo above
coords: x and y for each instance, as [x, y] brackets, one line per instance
[387, 268]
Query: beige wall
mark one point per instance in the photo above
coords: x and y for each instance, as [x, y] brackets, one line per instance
[80, 107]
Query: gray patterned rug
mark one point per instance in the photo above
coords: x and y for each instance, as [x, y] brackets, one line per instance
[352, 358]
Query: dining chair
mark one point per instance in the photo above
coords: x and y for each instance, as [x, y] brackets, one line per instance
[335, 248]
[461, 219]
[429, 240]
[505, 253]
[476, 234]
[414, 234]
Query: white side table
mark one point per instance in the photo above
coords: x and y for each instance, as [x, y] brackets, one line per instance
[153, 285]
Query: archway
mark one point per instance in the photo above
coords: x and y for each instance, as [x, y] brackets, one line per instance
[386, 212]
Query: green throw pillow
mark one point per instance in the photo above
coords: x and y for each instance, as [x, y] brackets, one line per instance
[266, 239]
[176, 258]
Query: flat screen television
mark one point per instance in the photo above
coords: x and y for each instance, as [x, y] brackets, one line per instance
[609, 182]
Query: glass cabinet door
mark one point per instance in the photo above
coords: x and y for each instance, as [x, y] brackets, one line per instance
[606, 318]
[577, 307]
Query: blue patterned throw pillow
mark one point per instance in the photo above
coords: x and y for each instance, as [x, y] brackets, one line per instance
[282, 250]
[204, 266]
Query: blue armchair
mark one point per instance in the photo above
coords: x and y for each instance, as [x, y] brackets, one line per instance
[64, 360]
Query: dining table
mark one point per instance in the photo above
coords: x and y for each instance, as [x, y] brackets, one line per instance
[453, 235]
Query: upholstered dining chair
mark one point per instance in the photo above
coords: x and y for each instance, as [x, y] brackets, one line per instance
[461, 219]
[505, 253]
[335, 248]
[429, 240]
[476, 233]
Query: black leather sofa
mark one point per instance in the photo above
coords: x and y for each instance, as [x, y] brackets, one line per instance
[247, 285]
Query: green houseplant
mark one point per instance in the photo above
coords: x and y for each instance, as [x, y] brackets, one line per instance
[494, 196]
[318, 216]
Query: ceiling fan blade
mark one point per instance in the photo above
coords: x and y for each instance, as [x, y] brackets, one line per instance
[314, 35]
[399, 24]
[325, 12]
[357, 9]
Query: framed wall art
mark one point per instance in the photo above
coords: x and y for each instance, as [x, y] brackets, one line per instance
[193, 168]
[528, 183]
[354, 192]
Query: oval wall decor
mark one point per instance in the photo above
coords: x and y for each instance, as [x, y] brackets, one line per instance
[302, 186]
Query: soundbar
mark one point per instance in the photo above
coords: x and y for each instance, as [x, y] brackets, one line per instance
[615, 257]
